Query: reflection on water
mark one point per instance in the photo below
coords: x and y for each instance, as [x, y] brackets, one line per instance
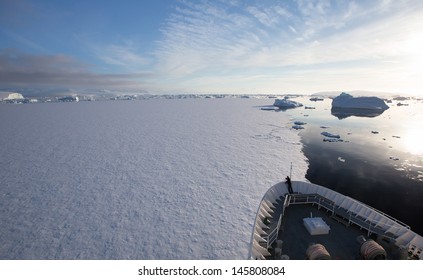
[380, 161]
[345, 113]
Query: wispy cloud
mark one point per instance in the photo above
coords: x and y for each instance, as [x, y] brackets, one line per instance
[209, 40]
[225, 45]
[269, 16]
[125, 55]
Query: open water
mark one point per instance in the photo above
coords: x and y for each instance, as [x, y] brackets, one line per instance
[380, 158]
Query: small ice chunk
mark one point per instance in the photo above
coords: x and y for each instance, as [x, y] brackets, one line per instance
[316, 99]
[341, 159]
[298, 127]
[327, 134]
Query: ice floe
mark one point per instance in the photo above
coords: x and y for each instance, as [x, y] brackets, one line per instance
[269, 108]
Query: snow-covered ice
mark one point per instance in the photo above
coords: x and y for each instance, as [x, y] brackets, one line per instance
[151, 179]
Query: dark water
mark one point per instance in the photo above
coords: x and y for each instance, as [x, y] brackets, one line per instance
[379, 162]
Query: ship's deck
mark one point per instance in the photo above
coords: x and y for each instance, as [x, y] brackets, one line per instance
[341, 241]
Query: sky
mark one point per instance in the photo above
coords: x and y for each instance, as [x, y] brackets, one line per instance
[220, 46]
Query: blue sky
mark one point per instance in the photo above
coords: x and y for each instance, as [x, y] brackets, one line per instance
[213, 46]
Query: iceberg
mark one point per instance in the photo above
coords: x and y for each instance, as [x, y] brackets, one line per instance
[345, 100]
[286, 103]
[345, 105]
[14, 96]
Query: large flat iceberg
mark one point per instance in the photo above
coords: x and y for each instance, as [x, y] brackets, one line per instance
[344, 106]
[345, 100]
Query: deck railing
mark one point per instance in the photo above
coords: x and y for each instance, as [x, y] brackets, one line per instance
[273, 235]
[329, 205]
[343, 208]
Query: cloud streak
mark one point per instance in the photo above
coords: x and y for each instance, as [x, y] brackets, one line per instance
[18, 69]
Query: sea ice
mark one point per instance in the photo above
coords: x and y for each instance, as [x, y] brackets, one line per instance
[147, 179]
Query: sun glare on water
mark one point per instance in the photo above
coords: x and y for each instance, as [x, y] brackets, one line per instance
[413, 141]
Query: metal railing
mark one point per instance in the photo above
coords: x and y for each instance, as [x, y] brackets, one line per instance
[320, 201]
[273, 235]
